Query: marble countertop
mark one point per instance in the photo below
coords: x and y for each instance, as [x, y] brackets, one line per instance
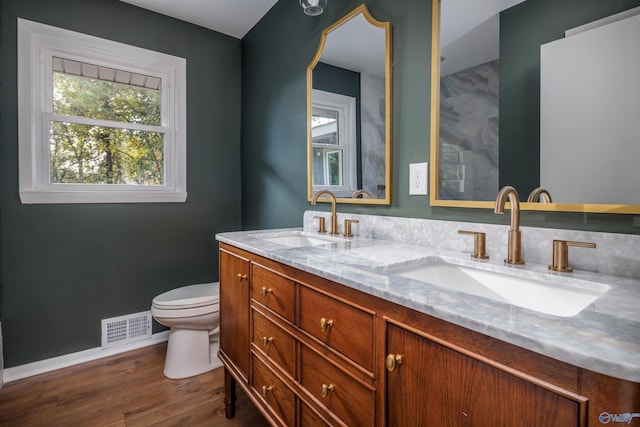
[604, 337]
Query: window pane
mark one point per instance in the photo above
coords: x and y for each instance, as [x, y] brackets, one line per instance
[324, 126]
[318, 167]
[85, 90]
[85, 154]
[334, 168]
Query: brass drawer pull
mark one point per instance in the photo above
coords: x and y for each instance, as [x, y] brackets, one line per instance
[325, 324]
[325, 389]
[392, 362]
[241, 277]
[266, 390]
[267, 340]
[265, 291]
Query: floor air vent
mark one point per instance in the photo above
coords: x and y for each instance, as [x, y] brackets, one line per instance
[126, 329]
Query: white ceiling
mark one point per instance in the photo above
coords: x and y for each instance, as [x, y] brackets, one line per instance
[356, 45]
[469, 32]
[231, 17]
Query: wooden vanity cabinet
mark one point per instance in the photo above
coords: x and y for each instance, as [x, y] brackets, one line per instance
[311, 352]
[457, 388]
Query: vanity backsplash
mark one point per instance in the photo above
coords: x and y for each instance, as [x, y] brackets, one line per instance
[615, 254]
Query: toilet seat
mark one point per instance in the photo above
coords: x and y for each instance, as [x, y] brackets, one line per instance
[188, 297]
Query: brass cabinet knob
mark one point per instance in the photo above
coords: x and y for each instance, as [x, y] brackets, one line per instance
[267, 340]
[265, 291]
[392, 361]
[326, 388]
[266, 390]
[479, 244]
[325, 324]
[241, 277]
[560, 261]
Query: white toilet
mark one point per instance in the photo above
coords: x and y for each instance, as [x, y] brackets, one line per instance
[193, 314]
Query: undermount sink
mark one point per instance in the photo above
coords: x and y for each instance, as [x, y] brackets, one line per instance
[562, 297]
[297, 239]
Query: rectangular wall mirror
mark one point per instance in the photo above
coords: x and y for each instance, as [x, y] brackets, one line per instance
[349, 111]
[536, 93]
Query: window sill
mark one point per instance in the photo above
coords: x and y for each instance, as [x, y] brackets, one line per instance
[52, 197]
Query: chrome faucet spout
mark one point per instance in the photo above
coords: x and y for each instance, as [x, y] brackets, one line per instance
[514, 246]
[334, 215]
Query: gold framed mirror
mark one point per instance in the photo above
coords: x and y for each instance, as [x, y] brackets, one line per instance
[349, 111]
[450, 156]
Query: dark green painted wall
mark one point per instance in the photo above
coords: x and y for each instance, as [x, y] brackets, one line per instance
[521, 35]
[275, 55]
[65, 267]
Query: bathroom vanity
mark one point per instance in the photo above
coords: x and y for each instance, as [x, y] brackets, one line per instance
[321, 331]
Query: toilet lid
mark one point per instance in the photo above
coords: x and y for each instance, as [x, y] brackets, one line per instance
[189, 296]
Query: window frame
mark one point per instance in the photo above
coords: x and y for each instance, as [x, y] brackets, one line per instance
[345, 106]
[37, 45]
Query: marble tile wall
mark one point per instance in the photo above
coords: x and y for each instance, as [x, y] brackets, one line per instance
[616, 254]
[372, 134]
[469, 118]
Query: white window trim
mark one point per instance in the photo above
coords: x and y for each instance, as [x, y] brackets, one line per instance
[37, 43]
[346, 108]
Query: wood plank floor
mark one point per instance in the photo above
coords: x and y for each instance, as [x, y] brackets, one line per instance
[128, 389]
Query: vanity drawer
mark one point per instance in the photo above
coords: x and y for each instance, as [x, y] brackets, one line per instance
[347, 329]
[273, 341]
[279, 398]
[308, 418]
[352, 401]
[273, 291]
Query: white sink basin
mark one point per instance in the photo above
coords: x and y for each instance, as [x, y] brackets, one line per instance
[556, 296]
[297, 239]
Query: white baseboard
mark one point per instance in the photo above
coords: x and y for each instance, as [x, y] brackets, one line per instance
[42, 366]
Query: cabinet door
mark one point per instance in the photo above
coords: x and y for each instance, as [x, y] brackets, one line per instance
[234, 310]
[434, 385]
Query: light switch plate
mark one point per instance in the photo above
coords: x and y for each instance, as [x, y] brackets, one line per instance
[418, 179]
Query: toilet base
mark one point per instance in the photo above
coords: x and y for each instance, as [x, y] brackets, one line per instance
[189, 353]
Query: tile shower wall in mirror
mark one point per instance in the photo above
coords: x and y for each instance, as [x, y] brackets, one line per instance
[469, 144]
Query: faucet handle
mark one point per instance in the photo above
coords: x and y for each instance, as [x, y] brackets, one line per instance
[560, 260]
[322, 228]
[347, 226]
[479, 244]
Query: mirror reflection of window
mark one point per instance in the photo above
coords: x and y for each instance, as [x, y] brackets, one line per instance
[333, 135]
[327, 160]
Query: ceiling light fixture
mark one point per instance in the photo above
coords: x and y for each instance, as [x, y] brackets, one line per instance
[313, 7]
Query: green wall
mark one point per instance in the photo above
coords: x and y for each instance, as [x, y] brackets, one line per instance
[66, 267]
[275, 55]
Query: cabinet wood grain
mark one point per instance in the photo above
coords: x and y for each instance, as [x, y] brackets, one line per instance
[437, 385]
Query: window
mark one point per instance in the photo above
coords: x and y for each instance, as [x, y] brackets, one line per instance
[333, 135]
[99, 121]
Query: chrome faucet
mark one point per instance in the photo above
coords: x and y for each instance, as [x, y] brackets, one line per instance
[334, 215]
[514, 248]
[539, 195]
